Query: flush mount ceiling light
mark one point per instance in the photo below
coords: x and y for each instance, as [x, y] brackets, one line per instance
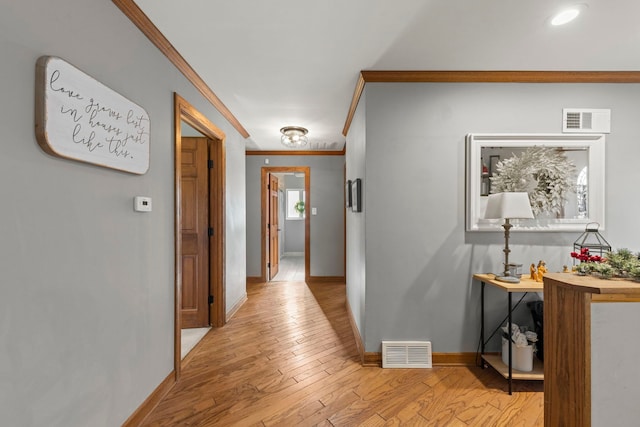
[566, 16]
[294, 136]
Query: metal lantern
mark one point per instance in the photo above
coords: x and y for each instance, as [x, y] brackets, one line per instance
[592, 241]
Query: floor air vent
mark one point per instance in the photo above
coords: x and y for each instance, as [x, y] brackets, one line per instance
[406, 354]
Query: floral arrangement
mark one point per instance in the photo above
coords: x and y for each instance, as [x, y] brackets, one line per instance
[585, 256]
[299, 207]
[622, 263]
[545, 173]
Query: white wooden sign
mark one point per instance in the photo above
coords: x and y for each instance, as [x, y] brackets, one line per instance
[79, 118]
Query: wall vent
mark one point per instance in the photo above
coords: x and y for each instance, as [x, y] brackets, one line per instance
[586, 120]
[406, 354]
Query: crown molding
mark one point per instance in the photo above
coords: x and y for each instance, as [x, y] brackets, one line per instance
[369, 76]
[294, 153]
[144, 24]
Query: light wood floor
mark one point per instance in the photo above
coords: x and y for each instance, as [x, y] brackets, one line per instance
[288, 358]
[290, 269]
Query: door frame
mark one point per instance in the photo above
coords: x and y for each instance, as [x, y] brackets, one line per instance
[184, 111]
[264, 213]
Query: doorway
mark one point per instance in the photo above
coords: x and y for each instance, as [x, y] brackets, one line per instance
[287, 211]
[273, 226]
[194, 211]
[199, 278]
[273, 210]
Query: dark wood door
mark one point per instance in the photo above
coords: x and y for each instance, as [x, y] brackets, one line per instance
[274, 250]
[194, 209]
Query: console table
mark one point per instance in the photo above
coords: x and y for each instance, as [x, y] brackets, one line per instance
[495, 361]
[591, 351]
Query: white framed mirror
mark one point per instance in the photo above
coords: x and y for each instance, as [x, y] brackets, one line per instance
[563, 174]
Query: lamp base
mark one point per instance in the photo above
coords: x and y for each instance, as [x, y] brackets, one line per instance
[508, 279]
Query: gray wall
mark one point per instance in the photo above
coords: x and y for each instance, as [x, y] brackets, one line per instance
[327, 227]
[356, 256]
[419, 259]
[294, 228]
[87, 288]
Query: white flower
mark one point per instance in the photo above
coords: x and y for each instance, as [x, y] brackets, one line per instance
[545, 173]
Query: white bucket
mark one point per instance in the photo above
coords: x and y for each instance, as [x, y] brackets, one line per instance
[522, 357]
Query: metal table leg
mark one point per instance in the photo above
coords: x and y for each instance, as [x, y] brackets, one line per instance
[482, 284]
[510, 345]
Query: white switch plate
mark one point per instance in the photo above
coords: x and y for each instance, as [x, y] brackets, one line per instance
[142, 204]
[314, 211]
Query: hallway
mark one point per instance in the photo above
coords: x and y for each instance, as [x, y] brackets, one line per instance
[288, 358]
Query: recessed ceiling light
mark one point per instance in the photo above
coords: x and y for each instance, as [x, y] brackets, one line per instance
[565, 16]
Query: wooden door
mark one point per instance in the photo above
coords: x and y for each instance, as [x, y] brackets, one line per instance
[274, 251]
[194, 210]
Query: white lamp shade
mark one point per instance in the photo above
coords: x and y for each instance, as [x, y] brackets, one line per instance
[508, 205]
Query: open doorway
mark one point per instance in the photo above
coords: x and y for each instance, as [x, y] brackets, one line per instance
[194, 212]
[290, 216]
[285, 223]
[199, 226]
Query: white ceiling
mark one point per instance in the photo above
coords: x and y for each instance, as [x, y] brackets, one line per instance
[296, 62]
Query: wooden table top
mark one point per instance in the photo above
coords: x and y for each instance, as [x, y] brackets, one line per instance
[595, 285]
[526, 283]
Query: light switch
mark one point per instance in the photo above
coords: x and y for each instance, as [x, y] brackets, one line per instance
[142, 204]
[314, 211]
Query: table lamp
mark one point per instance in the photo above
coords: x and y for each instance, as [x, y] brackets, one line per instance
[508, 206]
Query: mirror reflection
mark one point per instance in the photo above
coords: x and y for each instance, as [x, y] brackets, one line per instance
[563, 174]
[556, 178]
